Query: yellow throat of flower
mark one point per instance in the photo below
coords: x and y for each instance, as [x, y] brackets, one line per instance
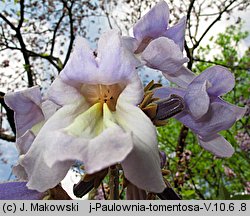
[102, 94]
[102, 100]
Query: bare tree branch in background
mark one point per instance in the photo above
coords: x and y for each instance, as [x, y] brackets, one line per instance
[35, 30]
[19, 37]
[72, 36]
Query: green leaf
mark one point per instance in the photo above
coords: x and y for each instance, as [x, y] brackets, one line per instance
[188, 192]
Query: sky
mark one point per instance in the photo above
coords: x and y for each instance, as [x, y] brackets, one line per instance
[221, 27]
[10, 153]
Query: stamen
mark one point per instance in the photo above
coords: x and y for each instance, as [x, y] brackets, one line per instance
[102, 94]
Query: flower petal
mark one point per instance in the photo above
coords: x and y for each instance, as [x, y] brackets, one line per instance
[177, 32]
[129, 117]
[47, 165]
[61, 93]
[219, 117]
[26, 105]
[19, 171]
[47, 140]
[130, 43]
[219, 146]
[96, 153]
[18, 191]
[239, 112]
[222, 81]
[87, 124]
[134, 121]
[142, 165]
[197, 99]
[23, 144]
[81, 66]
[165, 92]
[163, 54]
[116, 62]
[100, 132]
[107, 149]
[183, 77]
[49, 108]
[42, 177]
[133, 92]
[153, 23]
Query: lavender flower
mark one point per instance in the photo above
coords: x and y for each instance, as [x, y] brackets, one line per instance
[206, 113]
[160, 46]
[30, 113]
[99, 122]
[154, 24]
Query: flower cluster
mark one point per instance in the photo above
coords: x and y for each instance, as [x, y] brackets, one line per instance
[91, 112]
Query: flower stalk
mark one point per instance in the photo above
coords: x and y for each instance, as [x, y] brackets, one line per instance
[114, 182]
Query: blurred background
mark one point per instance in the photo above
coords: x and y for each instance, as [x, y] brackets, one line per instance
[36, 39]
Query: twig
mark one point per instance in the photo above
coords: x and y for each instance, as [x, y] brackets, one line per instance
[7, 137]
[114, 182]
[217, 63]
[211, 25]
[21, 14]
[54, 33]
[190, 8]
[72, 36]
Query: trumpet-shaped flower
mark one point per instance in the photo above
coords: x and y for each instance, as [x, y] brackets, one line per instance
[160, 46]
[206, 113]
[154, 24]
[30, 113]
[99, 122]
